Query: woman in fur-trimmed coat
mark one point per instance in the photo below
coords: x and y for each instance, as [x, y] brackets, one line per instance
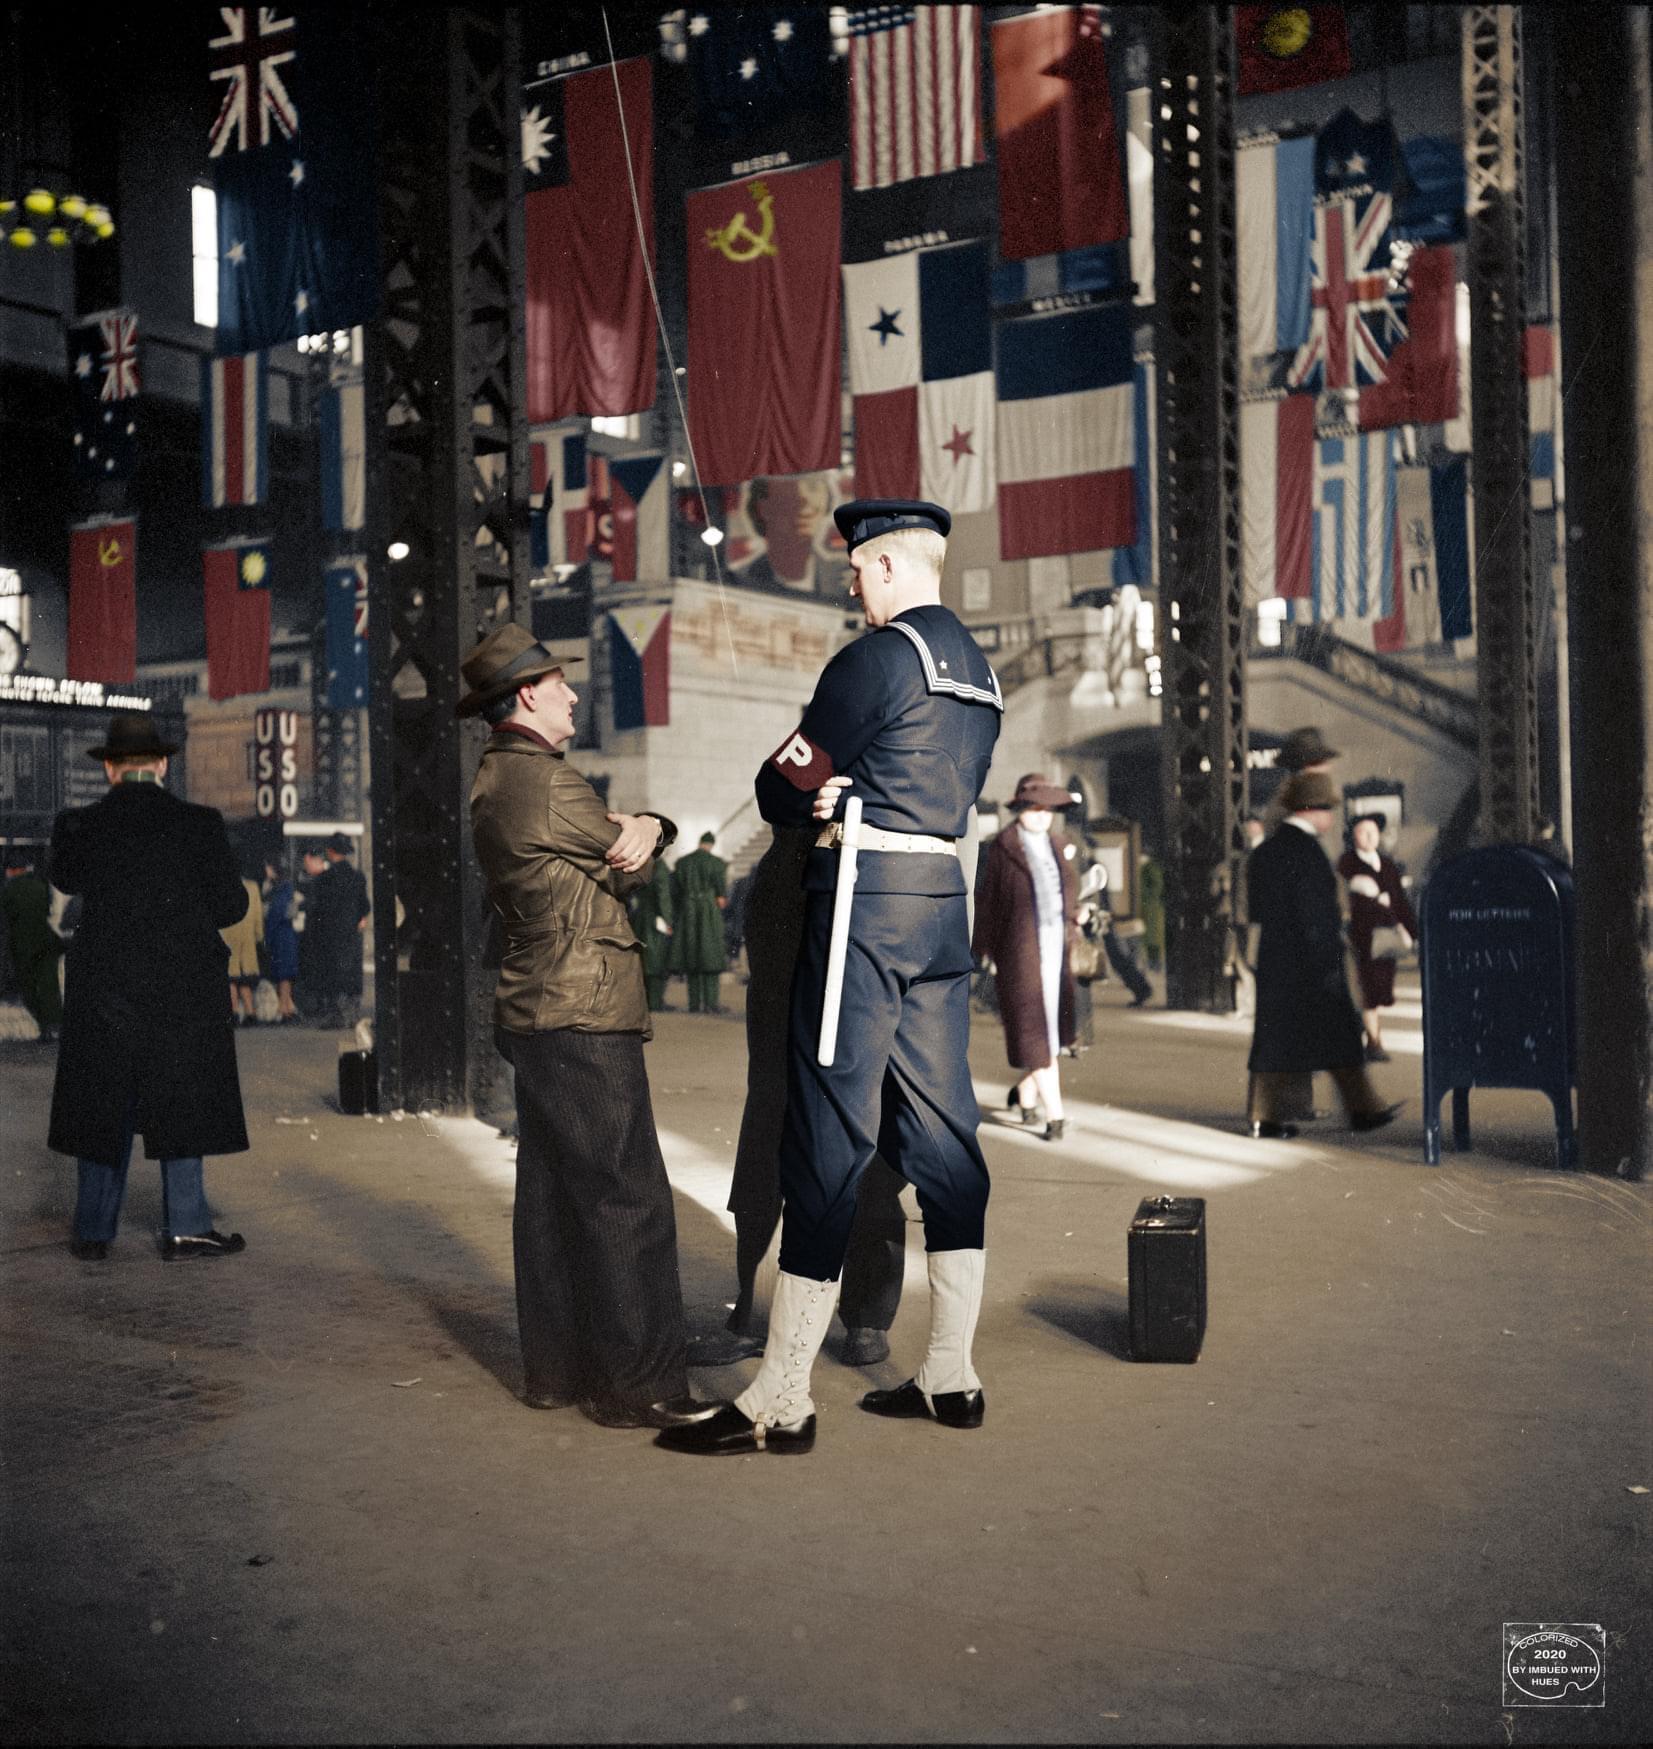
[1026, 916]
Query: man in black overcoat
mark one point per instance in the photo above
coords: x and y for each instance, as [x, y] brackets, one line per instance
[1306, 1018]
[148, 1047]
[335, 912]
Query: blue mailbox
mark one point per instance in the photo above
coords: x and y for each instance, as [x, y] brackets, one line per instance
[1497, 953]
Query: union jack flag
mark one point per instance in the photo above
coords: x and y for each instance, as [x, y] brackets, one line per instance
[256, 44]
[120, 356]
[1355, 319]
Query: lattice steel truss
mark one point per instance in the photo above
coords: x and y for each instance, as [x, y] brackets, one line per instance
[447, 475]
[1507, 662]
[1202, 602]
[336, 736]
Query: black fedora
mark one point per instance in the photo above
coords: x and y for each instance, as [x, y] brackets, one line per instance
[506, 659]
[132, 736]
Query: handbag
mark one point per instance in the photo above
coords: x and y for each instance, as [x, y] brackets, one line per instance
[1085, 959]
[1389, 942]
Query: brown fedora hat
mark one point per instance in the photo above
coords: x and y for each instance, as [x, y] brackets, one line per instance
[132, 736]
[503, 661]
[1304, 747]
[1309, 789]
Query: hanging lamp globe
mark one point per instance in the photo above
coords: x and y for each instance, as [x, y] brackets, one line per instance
[41, 202]
[72, 206]
[22, 237]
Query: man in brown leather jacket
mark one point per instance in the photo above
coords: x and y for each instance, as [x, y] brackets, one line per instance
[599, 1305]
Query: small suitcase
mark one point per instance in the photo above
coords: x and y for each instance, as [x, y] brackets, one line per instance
[358, 1082]
[1167, 1270]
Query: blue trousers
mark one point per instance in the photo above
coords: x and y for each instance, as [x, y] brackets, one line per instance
[102, 1190]
[899, 1085]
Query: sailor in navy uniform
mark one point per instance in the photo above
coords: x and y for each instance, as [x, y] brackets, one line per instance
[905, 719]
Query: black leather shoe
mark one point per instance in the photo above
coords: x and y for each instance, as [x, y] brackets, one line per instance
[1143, 1000]
[674, 1412]
[212, 1244]
[1273, 1132]
[906, 1402]
[1362, 1121]
[722, 1348]
[729, 1434]
[1054, 1128]
[864, 1346]
[89, 1250]
[1376, 1054]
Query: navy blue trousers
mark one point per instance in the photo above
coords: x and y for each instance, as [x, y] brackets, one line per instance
[900, 1086]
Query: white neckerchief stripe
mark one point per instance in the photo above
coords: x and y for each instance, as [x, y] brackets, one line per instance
[933, 678]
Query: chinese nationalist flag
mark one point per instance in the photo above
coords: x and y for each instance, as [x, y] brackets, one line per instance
[103, 611]
[764, 324]
[238, 619]
[589, 318]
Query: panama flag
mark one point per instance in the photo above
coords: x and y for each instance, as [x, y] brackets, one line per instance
[558, 530]
[639, 645]
[234, 430]
[1067, 433]
[1318, 514]
[921, 366]
[637, 509]
[1275, 204]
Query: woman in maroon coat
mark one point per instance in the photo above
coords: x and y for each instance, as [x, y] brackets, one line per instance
[1376, 899]
[1025, 920]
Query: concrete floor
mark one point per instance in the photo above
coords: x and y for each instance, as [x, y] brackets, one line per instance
[290, 1497]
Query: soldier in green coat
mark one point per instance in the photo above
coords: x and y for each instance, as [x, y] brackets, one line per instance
[35, 949]
[699, 896]
[652, 910]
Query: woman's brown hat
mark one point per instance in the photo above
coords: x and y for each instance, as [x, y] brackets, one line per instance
[1037, 791]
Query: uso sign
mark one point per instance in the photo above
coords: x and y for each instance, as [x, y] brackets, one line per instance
[275, 764]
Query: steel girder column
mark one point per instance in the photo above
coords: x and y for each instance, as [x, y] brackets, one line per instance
[1202, 603]
[1604, 172]
[1497, 220]
[447, 476]
[336, 735]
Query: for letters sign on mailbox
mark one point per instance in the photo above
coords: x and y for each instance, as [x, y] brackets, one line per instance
[1497, 956]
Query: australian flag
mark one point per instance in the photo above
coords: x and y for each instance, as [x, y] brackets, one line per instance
[754, 66]
[292, 156]
[103, 375]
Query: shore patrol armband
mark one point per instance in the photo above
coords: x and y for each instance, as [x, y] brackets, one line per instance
[804, 765]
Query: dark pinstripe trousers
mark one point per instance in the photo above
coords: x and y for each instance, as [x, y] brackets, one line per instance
[599, 1303]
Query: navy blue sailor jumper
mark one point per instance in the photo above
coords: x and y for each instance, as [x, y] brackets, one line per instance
[910, 714]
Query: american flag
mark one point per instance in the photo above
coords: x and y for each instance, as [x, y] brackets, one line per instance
[915, 92]
[120, 357]
[255, 45]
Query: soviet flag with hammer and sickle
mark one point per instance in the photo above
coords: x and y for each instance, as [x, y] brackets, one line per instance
[763, 380]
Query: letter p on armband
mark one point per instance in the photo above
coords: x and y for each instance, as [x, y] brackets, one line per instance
[804, 765]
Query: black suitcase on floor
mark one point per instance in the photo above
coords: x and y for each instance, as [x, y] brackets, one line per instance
[1167, 1269]
[358, 1082]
